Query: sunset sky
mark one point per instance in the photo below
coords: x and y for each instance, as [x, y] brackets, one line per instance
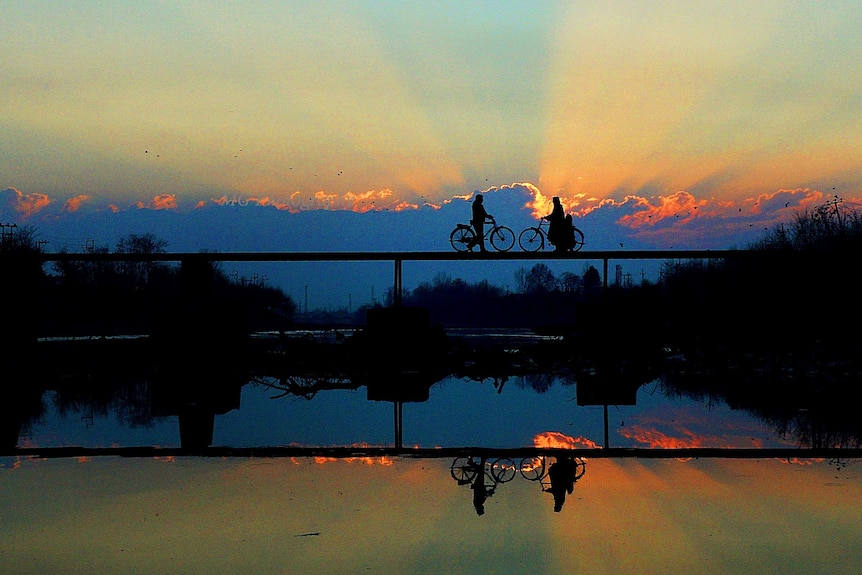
[683, 115]
[401, 103]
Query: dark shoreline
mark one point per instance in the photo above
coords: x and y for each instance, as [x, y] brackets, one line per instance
[274, 452]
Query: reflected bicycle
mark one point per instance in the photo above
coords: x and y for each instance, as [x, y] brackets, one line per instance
[464, 470]
[463, 237]
[536, 469]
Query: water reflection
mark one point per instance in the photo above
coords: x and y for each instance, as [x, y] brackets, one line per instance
[483, 475]
[533, 390]
[408, 515]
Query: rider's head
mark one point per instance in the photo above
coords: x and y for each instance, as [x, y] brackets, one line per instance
[479, 198]
[556, 199]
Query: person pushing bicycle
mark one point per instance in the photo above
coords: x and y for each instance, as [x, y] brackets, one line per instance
[560, 230]
[480, 216]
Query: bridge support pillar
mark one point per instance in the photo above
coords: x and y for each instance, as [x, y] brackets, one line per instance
[397, 294]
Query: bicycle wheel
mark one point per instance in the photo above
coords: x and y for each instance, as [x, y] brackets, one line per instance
[580, 468]
[463, 469]
[531, 240]
[502, 238]
[578, 239]
[503, 470]
[462, 238]
[532, 468]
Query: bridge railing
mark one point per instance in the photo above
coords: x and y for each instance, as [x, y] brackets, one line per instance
[398, 257]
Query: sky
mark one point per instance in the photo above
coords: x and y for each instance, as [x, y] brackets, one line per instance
[658, 124]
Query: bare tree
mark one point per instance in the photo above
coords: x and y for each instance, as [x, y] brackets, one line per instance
[569, 282]
[145, 244]
[539, 279]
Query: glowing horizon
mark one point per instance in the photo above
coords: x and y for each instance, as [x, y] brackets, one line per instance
[395, 107]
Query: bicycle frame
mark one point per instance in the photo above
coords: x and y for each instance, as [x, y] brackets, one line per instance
[535, 238]
[538, 468]
[463, 237]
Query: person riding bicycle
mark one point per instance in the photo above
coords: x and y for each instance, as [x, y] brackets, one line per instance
[480, 216]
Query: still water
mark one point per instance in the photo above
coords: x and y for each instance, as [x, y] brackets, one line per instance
[178, 513]
[458, 412]
[402, 515]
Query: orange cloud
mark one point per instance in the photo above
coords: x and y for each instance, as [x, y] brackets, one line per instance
[165, 202]
[685, 438]
[26, 204]
[74, 204]
[160, 202]
[361, 202]
[680, 205]
[403, 206]
[384, 199]
[555, 439]
[541, 204]
[682, 214]
[381, 460]
[656, 439]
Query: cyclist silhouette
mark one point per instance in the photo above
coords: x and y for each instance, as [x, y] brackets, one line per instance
[480, 216]
[557, 226]
[562, 475]
[480, 491]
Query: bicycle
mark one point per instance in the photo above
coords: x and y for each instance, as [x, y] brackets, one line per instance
[534, 238]
[465, 469]
[463, 237]
[536, 469]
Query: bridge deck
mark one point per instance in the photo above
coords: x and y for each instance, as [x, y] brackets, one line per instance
[399, 256]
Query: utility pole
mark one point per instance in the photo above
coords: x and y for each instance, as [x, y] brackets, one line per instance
[6, 232]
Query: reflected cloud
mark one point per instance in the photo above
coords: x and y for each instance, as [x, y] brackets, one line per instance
[555, 439]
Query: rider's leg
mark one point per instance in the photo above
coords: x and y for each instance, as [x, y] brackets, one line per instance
[480, 237]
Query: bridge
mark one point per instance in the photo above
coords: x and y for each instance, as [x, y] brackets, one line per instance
[399, 257]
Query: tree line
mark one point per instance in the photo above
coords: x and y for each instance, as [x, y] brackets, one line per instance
[793, 288]
[539, 297]
[112, 297]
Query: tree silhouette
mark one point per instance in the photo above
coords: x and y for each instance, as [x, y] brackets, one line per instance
[23, 283]
[540, 279]
[592, 280]
[138, 272]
